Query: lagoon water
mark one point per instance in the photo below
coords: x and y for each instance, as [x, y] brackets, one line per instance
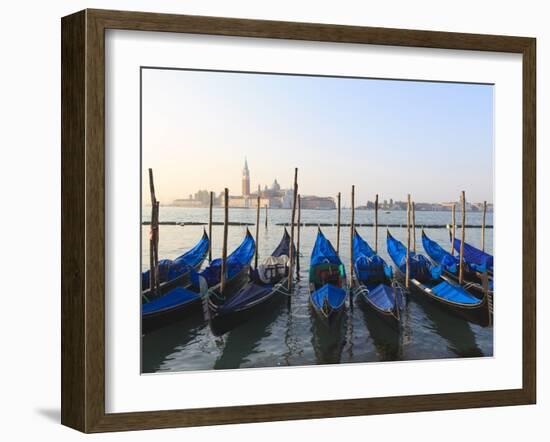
[288, 336]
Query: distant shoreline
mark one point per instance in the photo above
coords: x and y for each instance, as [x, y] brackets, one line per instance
[381, 225]
[321, 210]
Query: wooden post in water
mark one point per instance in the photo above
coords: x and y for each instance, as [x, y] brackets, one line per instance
[453, 230]
[153, 264]
[291, 248]
[407, 259]
[376, 224]
[224, 246]
[339, 198]
[257, 231]
[156, 248]
[483, 226]
[266, 216]
[413, 229]
[461, 266]
[352, 235]
[210, 227]
[298, 239]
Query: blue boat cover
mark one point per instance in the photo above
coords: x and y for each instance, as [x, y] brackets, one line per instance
[334, 296]
[240, 258]
[361, 247]
[454, 293]
[247, 295]
[420, 268]
[175, 297]
[481, 261]
[439, 255]
[383, 296]
[171, 269]
[323, 252]
[369, 267]
[284, 246]
[255, 290]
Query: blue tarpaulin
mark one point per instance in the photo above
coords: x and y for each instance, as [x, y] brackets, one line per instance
[240, 257]
[323, 252]
[171, 269]
[472, 255]
[419, 266]
[334, 296]
[439, 255]
[454, 293]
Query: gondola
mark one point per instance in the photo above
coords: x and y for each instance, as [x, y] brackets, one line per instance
[327, 281]
[473, 282]
[268, 286]
[180, 301]
[477, 259]
[427, 282]
[372, 283]
[176, 272]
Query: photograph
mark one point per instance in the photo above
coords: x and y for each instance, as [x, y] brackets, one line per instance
[300, 220]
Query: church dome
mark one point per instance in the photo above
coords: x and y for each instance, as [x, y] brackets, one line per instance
[275, 186]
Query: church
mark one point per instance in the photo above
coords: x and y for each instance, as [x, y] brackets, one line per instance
[272, 197]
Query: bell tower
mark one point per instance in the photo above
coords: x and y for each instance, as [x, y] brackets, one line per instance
[246, 179]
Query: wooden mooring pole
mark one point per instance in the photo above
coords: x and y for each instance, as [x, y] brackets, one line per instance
[352, 235]
[153, 237]
[376, 224]
[339, 199]
[407, 259]
[298, 239]
[483, 226]
[156, 248]
[413, 229]
[266, 216]
[210, 227]
[461, 266]
[291, 249]
[257, 231]
[453, 230]
[224, 246]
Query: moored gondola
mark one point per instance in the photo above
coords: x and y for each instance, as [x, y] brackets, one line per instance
[373, 285]
[473, 282]
[182, 301]
[268, 286]
[479, 260]
[327, 281]
[426, 281]
[177, 272]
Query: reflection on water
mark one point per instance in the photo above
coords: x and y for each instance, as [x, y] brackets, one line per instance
[288, 335]
[386, 340]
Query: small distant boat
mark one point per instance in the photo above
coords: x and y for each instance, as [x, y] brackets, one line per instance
[450, 264]
[426, 279]
[478, 259]
[327, 280]
[267, 288]
[174, 273]
[182, 301]
[372, 283]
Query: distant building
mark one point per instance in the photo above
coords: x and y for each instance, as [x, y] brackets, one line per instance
[317, 202]
[274, 197]
[246, 179]
[187, 202]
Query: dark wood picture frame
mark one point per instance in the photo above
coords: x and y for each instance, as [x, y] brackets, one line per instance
[83, 220]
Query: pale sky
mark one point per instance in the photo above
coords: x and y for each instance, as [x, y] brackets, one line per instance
[385, 136]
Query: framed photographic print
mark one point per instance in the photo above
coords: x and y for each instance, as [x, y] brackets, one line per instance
[270, 220]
